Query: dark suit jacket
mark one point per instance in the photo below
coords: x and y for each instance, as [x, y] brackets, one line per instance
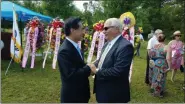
[74, 75]
[111, 83]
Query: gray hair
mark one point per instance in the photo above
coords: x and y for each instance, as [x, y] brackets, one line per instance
[114, 22]
[158, 31]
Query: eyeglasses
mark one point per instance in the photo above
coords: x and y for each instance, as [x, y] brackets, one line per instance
[106, 28]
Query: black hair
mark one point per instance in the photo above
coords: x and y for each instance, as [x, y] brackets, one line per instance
[71, 23]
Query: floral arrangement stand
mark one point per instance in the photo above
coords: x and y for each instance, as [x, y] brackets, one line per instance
[54, 36]
[34, 40]
[128, 21]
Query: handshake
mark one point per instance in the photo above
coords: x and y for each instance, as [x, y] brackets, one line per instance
[93, 68]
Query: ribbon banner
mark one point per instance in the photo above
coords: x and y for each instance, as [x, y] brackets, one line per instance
[30, 44]
[91, 51]
[26, 50]
[57, 44]
[34, 41]
[50, 34]
[54, 37]
[101, 39]
[34, 47]
[98, 34]
[132, 30]
[100, 44]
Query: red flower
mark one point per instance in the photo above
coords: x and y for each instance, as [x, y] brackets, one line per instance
[34, 23]
[57, 24]
[98, 26]
[126, 35]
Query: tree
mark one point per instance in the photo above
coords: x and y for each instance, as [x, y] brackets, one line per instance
[77, 13]
[61, 8]
[114, 8]
[172, 20]
[87, 15]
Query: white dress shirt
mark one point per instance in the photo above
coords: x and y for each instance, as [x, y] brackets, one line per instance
[152, 42]
[141, 37]
[75, 45]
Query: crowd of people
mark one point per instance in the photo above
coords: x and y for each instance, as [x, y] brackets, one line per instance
[161, 59]
[111, 70]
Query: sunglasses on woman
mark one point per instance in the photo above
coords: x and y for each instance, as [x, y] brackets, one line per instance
[178, 35]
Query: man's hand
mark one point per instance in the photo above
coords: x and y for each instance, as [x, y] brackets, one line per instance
[93, 68]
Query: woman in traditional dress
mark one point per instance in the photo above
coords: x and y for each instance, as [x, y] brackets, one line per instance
[175, 50]
[159, 66]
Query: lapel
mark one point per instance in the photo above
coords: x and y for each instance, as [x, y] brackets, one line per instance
[82, 53]
[113, 48]
[74, 50]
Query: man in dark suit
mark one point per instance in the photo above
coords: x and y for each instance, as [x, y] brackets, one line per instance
[112, 69]
[74, 72]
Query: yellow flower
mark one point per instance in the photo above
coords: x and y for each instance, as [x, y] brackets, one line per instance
[85, 24]
[86, 36]
[101, 21]
[95, 24]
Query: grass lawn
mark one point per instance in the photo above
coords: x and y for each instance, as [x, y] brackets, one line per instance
[43, 85]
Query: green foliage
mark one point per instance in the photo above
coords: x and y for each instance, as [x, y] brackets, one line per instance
[87, 17]
[150, 14]
[29, 4]
[61, 8]
[77, 13]
[114, 8]
[98, 13]
[173, 20]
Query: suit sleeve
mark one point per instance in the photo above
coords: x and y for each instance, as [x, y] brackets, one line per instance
[69, 71]
[121, 66]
